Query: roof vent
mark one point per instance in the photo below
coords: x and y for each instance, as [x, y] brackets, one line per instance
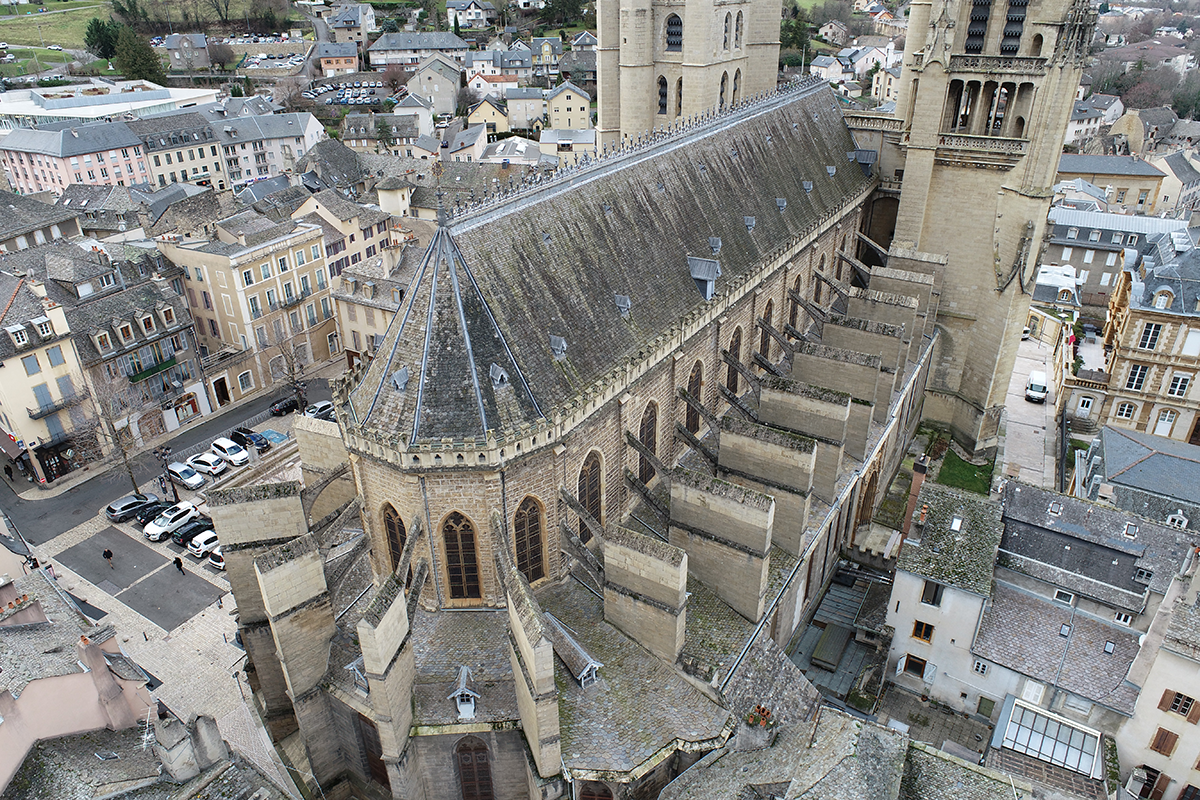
[808, 186]
[607, 208]
[831, 170]
[749, 223]
[1065, 630]
[1109, 647]
[1055, 508]
[768, 138]
[704, 272]
[781, 202]
[662, 187]
[795, 126]
[400, 379]
[1131, 530]
[714, 244]
[499, 376]
[558, 346]
[624, 304]
[545, 237]
[849, 155]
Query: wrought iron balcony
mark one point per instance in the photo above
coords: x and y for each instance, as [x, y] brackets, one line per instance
[58, 405]
[161, 366]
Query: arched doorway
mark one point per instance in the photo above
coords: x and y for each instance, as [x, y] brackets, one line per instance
[474, 769]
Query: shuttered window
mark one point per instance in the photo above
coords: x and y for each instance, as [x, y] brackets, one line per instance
[1164, 741]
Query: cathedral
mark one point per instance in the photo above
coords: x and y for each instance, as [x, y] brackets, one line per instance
[626, 418]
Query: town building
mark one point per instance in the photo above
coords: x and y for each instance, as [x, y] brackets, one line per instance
[352, 22]
[832, 69]
[419, 109]
[187, 51]
[495, 85]
[1084, 124]
[170, 135]
[579, 68]
[414, 48]
[260, 146]
[834, 32]
[568, 146]
[25, 222]
[470, 13]
[259, 295]
[642, 78]
[60, 153]
[1151, 349]
[1152, 54]
[585, 41]
[1181, 183]
[95, 100]
[337, 58]
[546, 51]
[379, 133]
[1136, 184]
[467, 144]
[516, 63]
[1080, 195]
[362, 232]
[568, 108]
[885, 86]
[518, 151]
[436, 81]
[1144, 474]
[492, 114]
[526, 108]
[1095, 244]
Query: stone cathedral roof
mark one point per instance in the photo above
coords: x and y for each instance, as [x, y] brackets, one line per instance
[513, 311]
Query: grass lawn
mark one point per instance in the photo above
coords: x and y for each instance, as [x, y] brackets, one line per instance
[961, 475]
[25, 64]
[31, 9]
[65, 30]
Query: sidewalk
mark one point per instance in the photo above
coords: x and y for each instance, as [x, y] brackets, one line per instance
[327, 370]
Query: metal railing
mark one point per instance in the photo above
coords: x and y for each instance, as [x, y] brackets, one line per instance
[58, 405]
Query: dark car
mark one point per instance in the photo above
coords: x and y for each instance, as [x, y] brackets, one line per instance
[152, 511]
[191, 530]
[284, 406]
[248, 438]
[128, 506]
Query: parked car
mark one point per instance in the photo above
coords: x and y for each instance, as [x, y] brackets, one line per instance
[203, 544]
[184, 475]
[215, 558]
[230, 451]
[322, 409]
[184, 534]
[167, 522]
[150, 512]
[207, 464]
[128, 506]
[284, 406]
[248, 438]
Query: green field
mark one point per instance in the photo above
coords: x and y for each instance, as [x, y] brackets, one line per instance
[31, 9]
[65, 30]
[959, 474]
[26, 65]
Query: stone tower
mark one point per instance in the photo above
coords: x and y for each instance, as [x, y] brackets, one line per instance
[659, 61]
[985, 99]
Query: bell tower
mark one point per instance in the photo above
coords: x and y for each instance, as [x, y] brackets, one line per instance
[986, 94]
[658, 62]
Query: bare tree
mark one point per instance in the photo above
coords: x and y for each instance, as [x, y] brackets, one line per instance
[220, 8]
[220, 55]
[395, 76]
[286, 364]
[289, 93]
[118, 404]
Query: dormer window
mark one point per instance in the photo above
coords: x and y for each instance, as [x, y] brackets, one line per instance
[44, 328]
[1073, 233]
[463, 696]
[106, 280]
[103, 342]
[1163, 299]
[126, 332]
[168, 315]
[19, 335]
[1177, 520]
[148, 324]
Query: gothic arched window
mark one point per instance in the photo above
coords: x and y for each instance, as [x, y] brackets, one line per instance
[648, 436]
[724, 88]
[735, 350]
[595, 791]
[679, 97]
[662, 95]
[527, 525]
[695, 382]
[737, 31]
[737, 86]
[461, 563]
[728, 28]
[764, 339]
[589, 492]
[393, 527]
[474, 771]
[674, 33]
[794, 314]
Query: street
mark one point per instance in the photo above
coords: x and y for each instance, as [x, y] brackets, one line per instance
[1029, 445]
[40, 520]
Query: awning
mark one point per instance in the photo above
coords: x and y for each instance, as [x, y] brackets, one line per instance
[9, 446]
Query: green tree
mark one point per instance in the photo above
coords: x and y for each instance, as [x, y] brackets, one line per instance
[235, 90]
[562, 12]
[135, 58]
[389, 25]
[793, 33]
[101, 37]
[456, 30]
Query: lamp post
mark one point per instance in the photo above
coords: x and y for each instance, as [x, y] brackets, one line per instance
[163, 453]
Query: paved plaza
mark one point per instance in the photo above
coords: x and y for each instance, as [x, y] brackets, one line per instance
[1030, 434]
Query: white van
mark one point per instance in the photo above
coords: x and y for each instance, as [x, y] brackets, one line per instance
[1035, 387]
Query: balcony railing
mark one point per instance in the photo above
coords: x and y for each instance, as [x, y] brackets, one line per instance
[161, 366]
[995, 144]
[295, 299]
[58, 405]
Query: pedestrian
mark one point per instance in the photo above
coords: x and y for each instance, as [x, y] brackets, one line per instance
[162, 484]
[108, 557]
[8, 471]
[179, 565]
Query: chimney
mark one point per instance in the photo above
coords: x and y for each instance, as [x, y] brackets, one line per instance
[920, 467]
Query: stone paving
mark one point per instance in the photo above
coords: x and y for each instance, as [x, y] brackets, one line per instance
[933, 724]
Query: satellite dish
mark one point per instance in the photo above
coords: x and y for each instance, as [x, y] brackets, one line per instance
[121, 227]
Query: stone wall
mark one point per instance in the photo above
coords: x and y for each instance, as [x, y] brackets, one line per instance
[646, 590]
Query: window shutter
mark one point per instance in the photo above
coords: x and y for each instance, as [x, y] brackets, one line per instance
[1165, 703]
[930, 673]
[1160, 785]
[900, 664]
[1193, 715]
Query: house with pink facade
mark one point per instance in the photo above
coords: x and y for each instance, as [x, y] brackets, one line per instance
[52, 157]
